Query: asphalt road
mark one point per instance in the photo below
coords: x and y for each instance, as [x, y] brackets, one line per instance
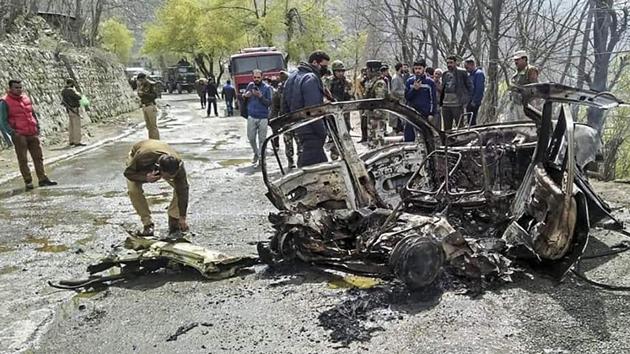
[54, 233]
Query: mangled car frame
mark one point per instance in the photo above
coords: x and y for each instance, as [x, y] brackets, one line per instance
[474, 199]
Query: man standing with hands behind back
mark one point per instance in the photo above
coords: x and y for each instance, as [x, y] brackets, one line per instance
[71, 100]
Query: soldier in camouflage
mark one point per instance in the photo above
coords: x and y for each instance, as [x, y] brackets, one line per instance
[340, 87]
[376, 87]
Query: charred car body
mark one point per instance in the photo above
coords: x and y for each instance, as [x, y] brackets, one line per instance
[474, 200]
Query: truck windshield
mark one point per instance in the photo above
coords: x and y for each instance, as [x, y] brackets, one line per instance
[245, 65]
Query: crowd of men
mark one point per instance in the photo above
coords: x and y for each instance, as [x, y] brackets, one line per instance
[445, 98]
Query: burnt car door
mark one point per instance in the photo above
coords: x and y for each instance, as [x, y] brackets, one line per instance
[354, 180]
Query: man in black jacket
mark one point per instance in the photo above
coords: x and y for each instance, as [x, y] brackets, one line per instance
[304, 88]
[213, 94]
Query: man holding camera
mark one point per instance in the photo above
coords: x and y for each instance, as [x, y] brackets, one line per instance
[258, 95]
[421, 95]
[149, 161]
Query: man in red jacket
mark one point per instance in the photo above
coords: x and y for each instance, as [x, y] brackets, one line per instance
[18, 120]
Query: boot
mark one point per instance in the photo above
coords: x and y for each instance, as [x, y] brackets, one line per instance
[173, 225]
[46, 182]
[147, 230]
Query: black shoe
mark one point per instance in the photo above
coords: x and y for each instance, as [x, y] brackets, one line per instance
[147, 230]
[79, 144]
[46, 183]
[29, 186]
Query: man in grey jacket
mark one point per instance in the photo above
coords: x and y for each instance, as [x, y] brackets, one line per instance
[457, 88]
[397, 92]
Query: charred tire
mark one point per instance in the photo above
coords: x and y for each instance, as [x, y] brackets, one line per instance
[417, 261]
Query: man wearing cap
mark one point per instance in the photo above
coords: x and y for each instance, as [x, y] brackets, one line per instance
[525, 74]
[340, 87]
[376, 87]
[478, 79]
[149, 161]
[455, 93]
[421, 95]
[147, 94]
[71, 100]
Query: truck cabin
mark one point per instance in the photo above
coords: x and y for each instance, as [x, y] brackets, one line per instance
[268, 60]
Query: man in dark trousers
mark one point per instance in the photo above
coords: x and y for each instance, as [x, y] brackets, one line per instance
[456, 91]
[200, 87]
[149, 161]
[478, 79]
[71, 100]
[213, 95]
[228, 93]
[19, 121]
[420, 93]
[304, 88]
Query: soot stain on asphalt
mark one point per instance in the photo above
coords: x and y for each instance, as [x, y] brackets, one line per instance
[363, 312]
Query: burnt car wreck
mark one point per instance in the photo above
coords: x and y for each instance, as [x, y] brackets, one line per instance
[474, 200]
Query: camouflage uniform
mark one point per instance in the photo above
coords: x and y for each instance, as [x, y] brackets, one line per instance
[376, 87]
[275, 110]
[340, 88]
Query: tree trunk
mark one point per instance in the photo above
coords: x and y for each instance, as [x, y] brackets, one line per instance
[581, 67]
[607, 32]
[96, 21]
[492, 92]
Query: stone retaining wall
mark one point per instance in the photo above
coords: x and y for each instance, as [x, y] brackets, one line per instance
[43, 74]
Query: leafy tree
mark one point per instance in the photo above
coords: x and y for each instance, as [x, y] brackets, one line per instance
[117, 38]
[211, 30]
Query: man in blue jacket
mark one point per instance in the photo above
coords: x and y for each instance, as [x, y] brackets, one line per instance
[478, 79]
[304, 88]
[258, 95]
[421, 95]
[229, 93]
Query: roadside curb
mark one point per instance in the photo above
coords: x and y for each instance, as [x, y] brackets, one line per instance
[76, 152]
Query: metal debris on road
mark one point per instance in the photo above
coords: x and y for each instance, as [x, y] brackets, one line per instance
[147, 255]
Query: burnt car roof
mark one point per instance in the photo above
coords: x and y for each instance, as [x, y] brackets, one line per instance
[566, 94]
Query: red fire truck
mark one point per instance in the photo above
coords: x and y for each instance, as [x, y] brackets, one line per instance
[269, 60]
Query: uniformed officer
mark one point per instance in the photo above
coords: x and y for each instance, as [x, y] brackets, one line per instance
[375, 87]
[525, 74]
[148, 95]
[149, 161]
[340, 87]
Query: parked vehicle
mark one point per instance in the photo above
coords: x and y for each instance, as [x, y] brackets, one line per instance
[181, 77]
